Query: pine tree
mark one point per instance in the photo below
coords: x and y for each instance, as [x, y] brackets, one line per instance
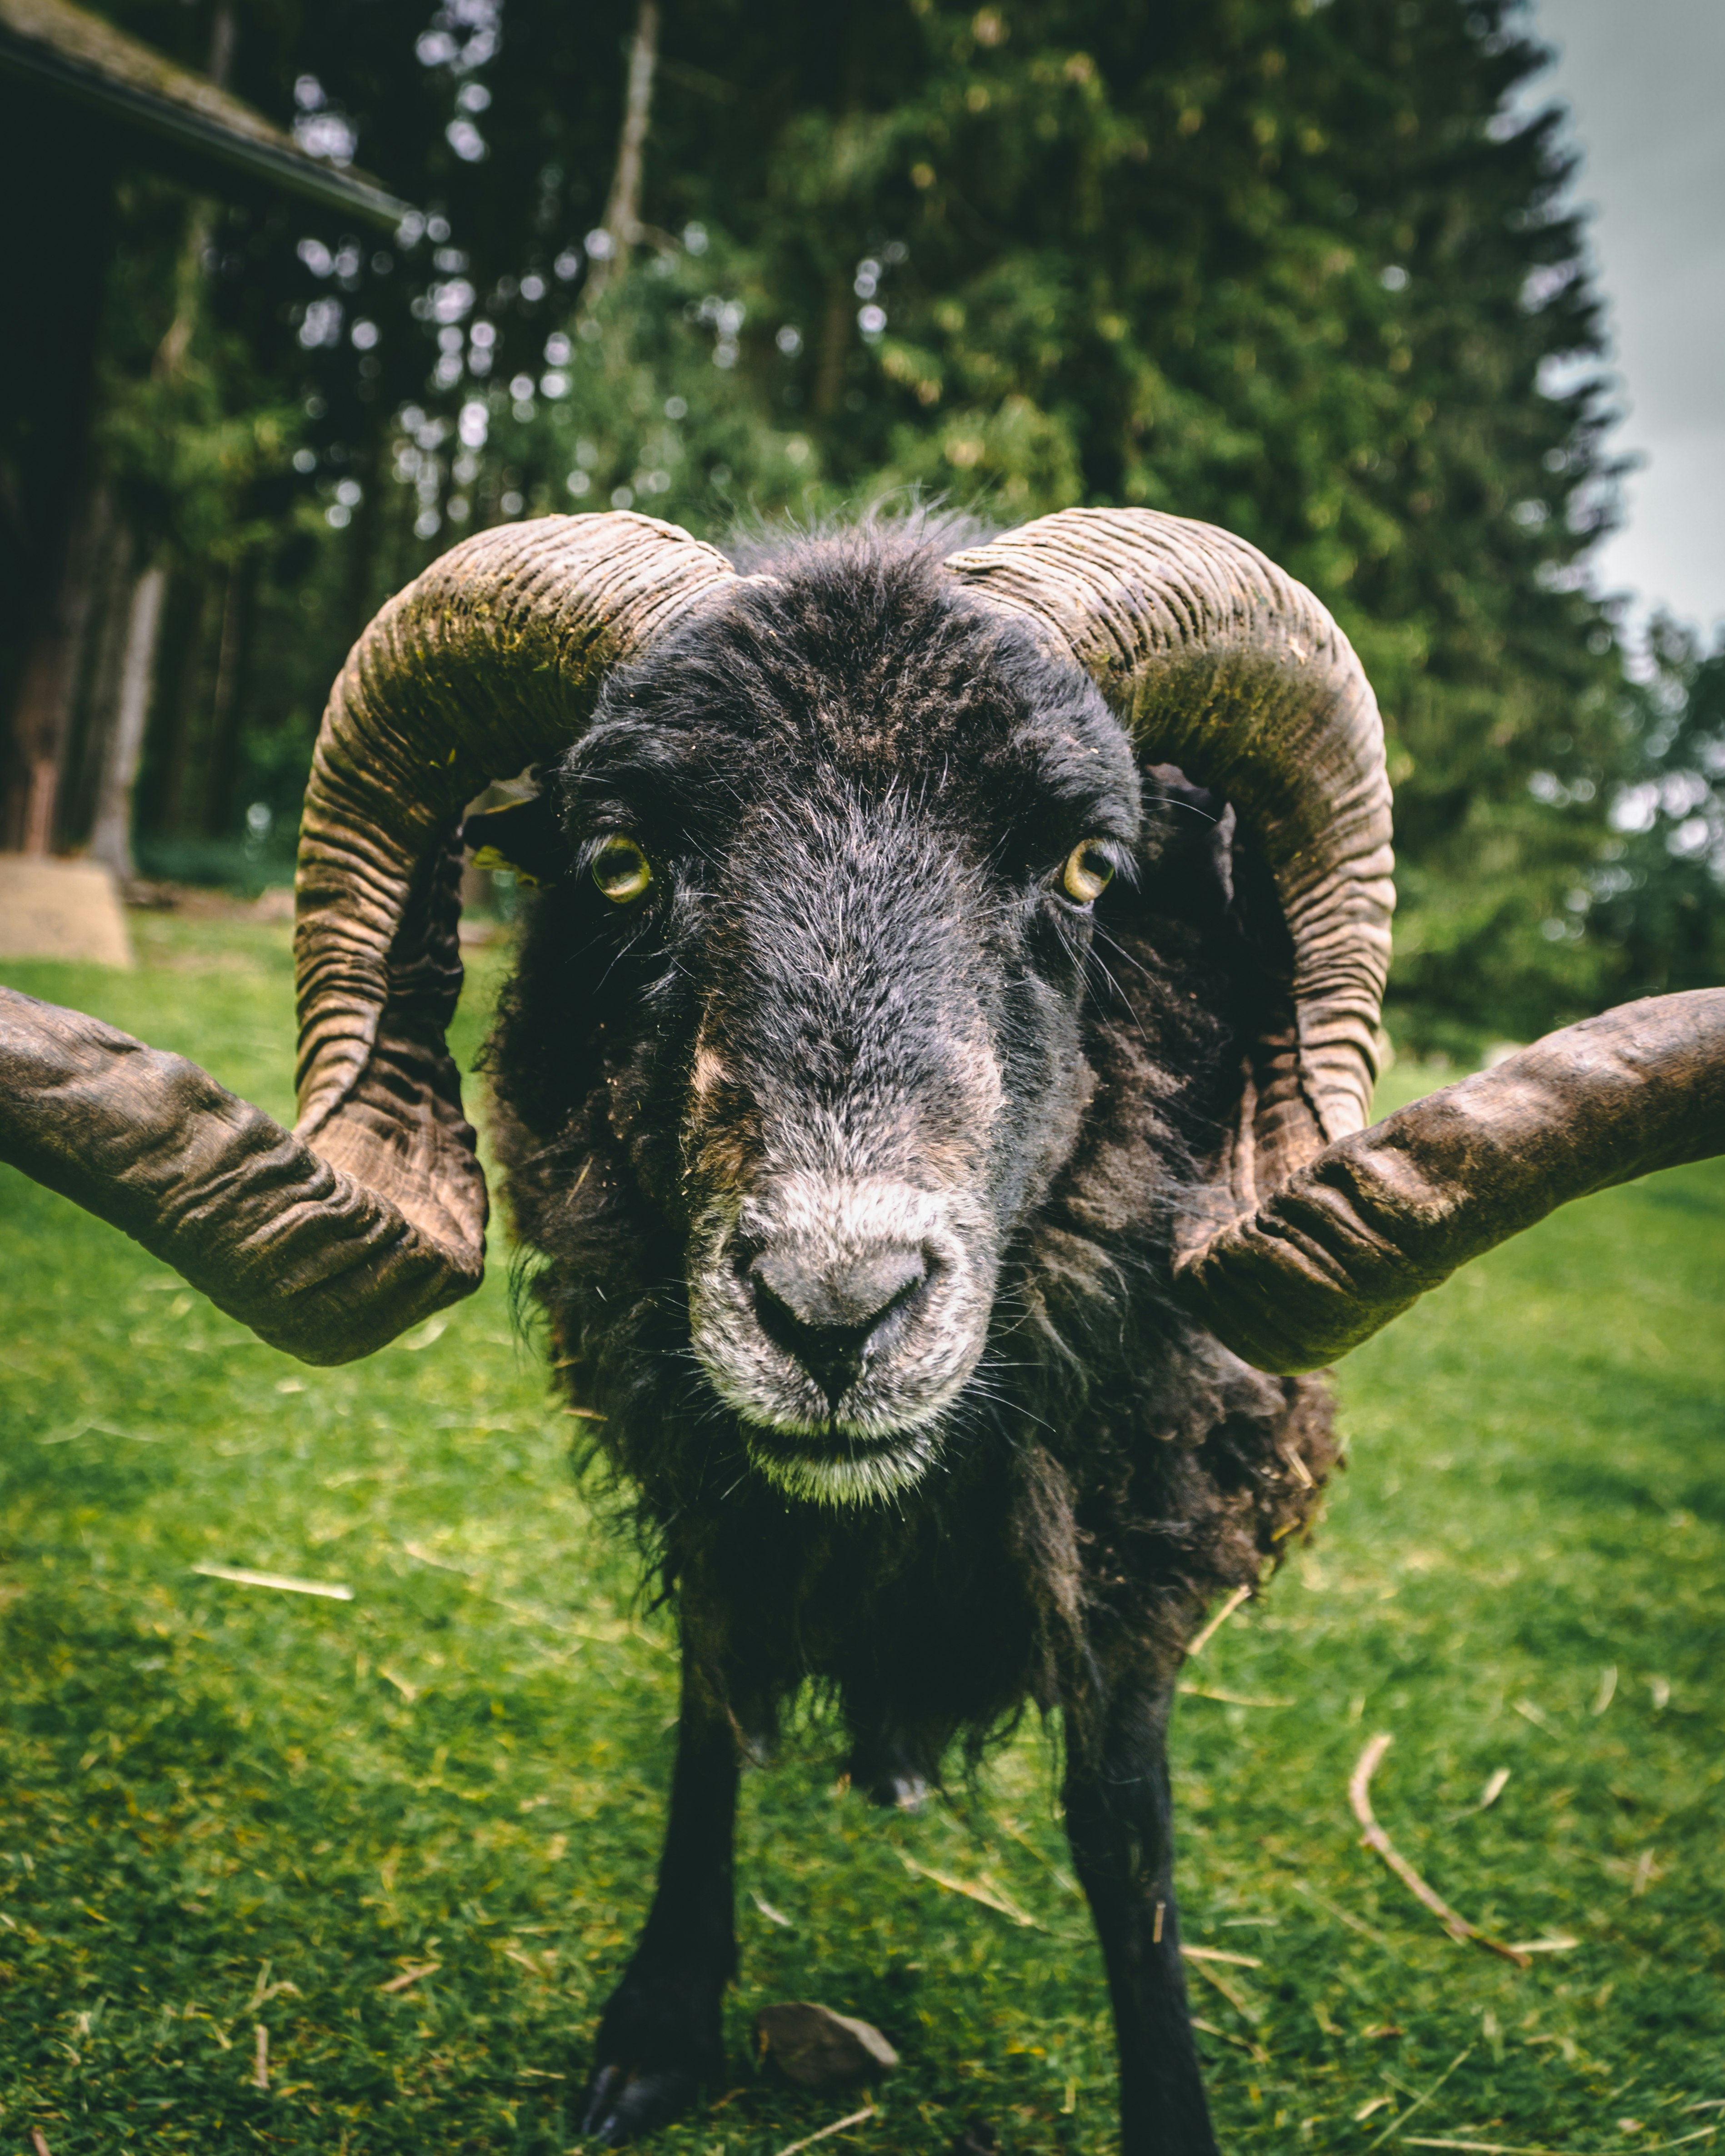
[1302, 270]
[1293, 270]
[1657, 903]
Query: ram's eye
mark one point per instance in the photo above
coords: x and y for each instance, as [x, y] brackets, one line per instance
[1088, 872]
[621, 871]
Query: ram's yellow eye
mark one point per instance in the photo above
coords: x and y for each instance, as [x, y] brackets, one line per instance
[621, 871]
[1088, 872]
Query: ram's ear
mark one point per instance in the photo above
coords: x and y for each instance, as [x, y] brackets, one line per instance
[524, 838]
[1190, 845]
[1215, 661]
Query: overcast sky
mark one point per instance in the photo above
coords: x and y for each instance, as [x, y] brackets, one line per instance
[1645, 84]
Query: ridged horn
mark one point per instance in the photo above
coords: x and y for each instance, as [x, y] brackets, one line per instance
[491, 661]
[311, 1260]
[1362, 1232]
[1216, 661]
[328, 1242]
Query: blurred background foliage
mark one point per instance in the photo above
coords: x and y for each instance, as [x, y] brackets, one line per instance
[1310, 271]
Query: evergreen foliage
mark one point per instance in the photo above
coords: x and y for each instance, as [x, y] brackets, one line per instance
[1656, 901]
[1306, 270]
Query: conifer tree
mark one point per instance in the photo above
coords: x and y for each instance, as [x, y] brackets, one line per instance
[1306, 270]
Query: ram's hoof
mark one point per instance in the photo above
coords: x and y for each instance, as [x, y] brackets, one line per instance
[621, 2104]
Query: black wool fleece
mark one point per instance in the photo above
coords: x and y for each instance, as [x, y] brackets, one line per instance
[856, 792]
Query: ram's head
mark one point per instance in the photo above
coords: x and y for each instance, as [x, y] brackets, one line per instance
[911, 952]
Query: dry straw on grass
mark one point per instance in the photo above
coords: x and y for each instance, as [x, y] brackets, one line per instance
[1359, 1796]
[838, 2126]
[1209, 1631]
[990, 1897]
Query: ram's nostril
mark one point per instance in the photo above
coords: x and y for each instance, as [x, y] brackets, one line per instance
[826, 1315]
[838, 1295]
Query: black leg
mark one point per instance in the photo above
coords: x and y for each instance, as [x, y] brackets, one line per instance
[660, 2038]
[1119, 1821]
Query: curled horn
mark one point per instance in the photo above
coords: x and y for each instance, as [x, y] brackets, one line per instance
[1215, 661]
[1364, 1230]
[491, 661]
[1319, 1230]
[330, 1241]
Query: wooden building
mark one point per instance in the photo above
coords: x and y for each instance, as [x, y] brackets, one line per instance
[80, 101]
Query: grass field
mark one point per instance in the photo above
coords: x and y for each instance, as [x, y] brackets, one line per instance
[224, 1809]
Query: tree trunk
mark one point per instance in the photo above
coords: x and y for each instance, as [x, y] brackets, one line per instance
[48, 691]
[110, 841]
[200, 225]
[164, 805]
[623, 211]
[834, 346]
[117, 812]
[364, 594]
[58, 250]
[226, 711]
[102, 693]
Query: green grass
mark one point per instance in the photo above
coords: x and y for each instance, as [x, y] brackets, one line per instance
[223, 1808]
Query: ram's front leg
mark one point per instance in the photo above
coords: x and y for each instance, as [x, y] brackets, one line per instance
[660, 2038]
[1119, 1821]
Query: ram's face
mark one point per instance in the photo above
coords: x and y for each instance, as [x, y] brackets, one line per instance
[870, 923]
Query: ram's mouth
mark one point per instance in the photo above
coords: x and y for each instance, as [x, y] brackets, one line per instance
[836, 1468]
[840, 1319]
[880, 1436]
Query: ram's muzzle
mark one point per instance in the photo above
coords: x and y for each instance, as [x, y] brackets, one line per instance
[840, 1316]
[844, 1139]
